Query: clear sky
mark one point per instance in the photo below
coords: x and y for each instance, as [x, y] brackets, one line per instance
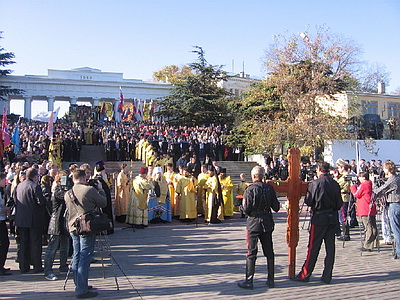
[138, 37]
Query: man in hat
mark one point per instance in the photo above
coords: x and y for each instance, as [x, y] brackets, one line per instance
[138, 214]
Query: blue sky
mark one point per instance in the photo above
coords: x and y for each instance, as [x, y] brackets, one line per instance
[140, 37]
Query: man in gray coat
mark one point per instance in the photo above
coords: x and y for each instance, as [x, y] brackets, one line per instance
[87, 199]
[29, 220]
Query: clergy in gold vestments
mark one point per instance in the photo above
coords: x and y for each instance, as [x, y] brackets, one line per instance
[138, 214]
[121, 194]
[201, 192]
[240, 188]
[227, 192]
[186, 190]
[169, 176]
[213, 201]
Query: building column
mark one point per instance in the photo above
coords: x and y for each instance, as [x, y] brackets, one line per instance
[50, 103]
[95, 102]
[5, 104]
[27, 107]
[117, 115]
[72, 100]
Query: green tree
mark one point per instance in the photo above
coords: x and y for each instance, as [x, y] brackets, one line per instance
[198, 99]
[288, 107]
[172, 74]
[6, 58]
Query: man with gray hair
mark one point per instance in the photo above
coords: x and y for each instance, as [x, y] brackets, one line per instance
[258, 199]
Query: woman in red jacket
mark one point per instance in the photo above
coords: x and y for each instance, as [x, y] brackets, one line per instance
[366, 210]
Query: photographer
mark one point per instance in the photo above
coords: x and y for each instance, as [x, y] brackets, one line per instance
[344, 182]
[366, 210]
[392, 191]
[89, 198]
[59, 237]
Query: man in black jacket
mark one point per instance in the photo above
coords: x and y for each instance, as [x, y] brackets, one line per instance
[324, 198]
[258, 199]
[29, 217]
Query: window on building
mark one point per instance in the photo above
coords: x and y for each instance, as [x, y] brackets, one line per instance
[369, 107]
[394, 110]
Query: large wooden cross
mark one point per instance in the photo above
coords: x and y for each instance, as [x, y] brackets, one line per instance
[293, 188]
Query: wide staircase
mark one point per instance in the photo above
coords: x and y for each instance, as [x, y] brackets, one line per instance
[235, 168]
[92, 153]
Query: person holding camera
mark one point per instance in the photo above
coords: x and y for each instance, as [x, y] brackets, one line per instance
[90, 199]
[59, 236]
[391, 189]
[324, 197]
[366, 210]
[258, 200]
[344, 183]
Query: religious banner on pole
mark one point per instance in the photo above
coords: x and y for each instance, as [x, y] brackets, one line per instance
[50, 126]
[4, 129]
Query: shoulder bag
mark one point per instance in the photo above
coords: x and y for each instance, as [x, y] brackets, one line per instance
[92, 222]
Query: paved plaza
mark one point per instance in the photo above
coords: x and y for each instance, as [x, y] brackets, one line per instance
[182, 261]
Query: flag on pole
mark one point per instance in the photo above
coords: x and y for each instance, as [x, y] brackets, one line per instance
[140, 109]
[50, 126]
[15, 140]
[4, 128]
[1, 145]
[121, 101]
[152, 108]
[126, 113]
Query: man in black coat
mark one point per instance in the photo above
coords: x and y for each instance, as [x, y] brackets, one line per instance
[30, 209]
[258, 199]
[324, 197]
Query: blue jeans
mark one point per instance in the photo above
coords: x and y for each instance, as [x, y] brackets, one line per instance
[56, 241]
[83, 254]
[394, 219]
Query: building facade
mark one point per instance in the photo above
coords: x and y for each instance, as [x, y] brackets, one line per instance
[80, 85]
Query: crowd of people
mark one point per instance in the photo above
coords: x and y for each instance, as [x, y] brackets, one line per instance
[120, 141]
[181, 179]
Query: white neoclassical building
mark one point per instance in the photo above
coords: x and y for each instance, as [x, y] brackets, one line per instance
[237, 84]
[80, 85]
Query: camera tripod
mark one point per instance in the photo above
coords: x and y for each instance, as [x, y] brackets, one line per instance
[103, 244]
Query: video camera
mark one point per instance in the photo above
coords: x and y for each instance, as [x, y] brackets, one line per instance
[94, 181]
[352, 178]
[66, 182]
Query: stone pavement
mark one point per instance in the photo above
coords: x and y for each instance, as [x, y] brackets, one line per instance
[180, 261]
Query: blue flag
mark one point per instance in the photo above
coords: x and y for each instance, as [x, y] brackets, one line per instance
[15, 140]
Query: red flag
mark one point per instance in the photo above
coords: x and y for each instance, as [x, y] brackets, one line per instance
[1, 145]
[152, 108]
[103, 108]
[4, 128]
[121, 101]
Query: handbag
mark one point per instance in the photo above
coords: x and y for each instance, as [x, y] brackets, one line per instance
[92, 222]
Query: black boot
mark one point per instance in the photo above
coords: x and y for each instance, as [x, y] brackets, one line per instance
[250, 268]
[271, 273]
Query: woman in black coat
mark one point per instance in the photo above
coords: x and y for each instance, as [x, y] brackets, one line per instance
[59, 235]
